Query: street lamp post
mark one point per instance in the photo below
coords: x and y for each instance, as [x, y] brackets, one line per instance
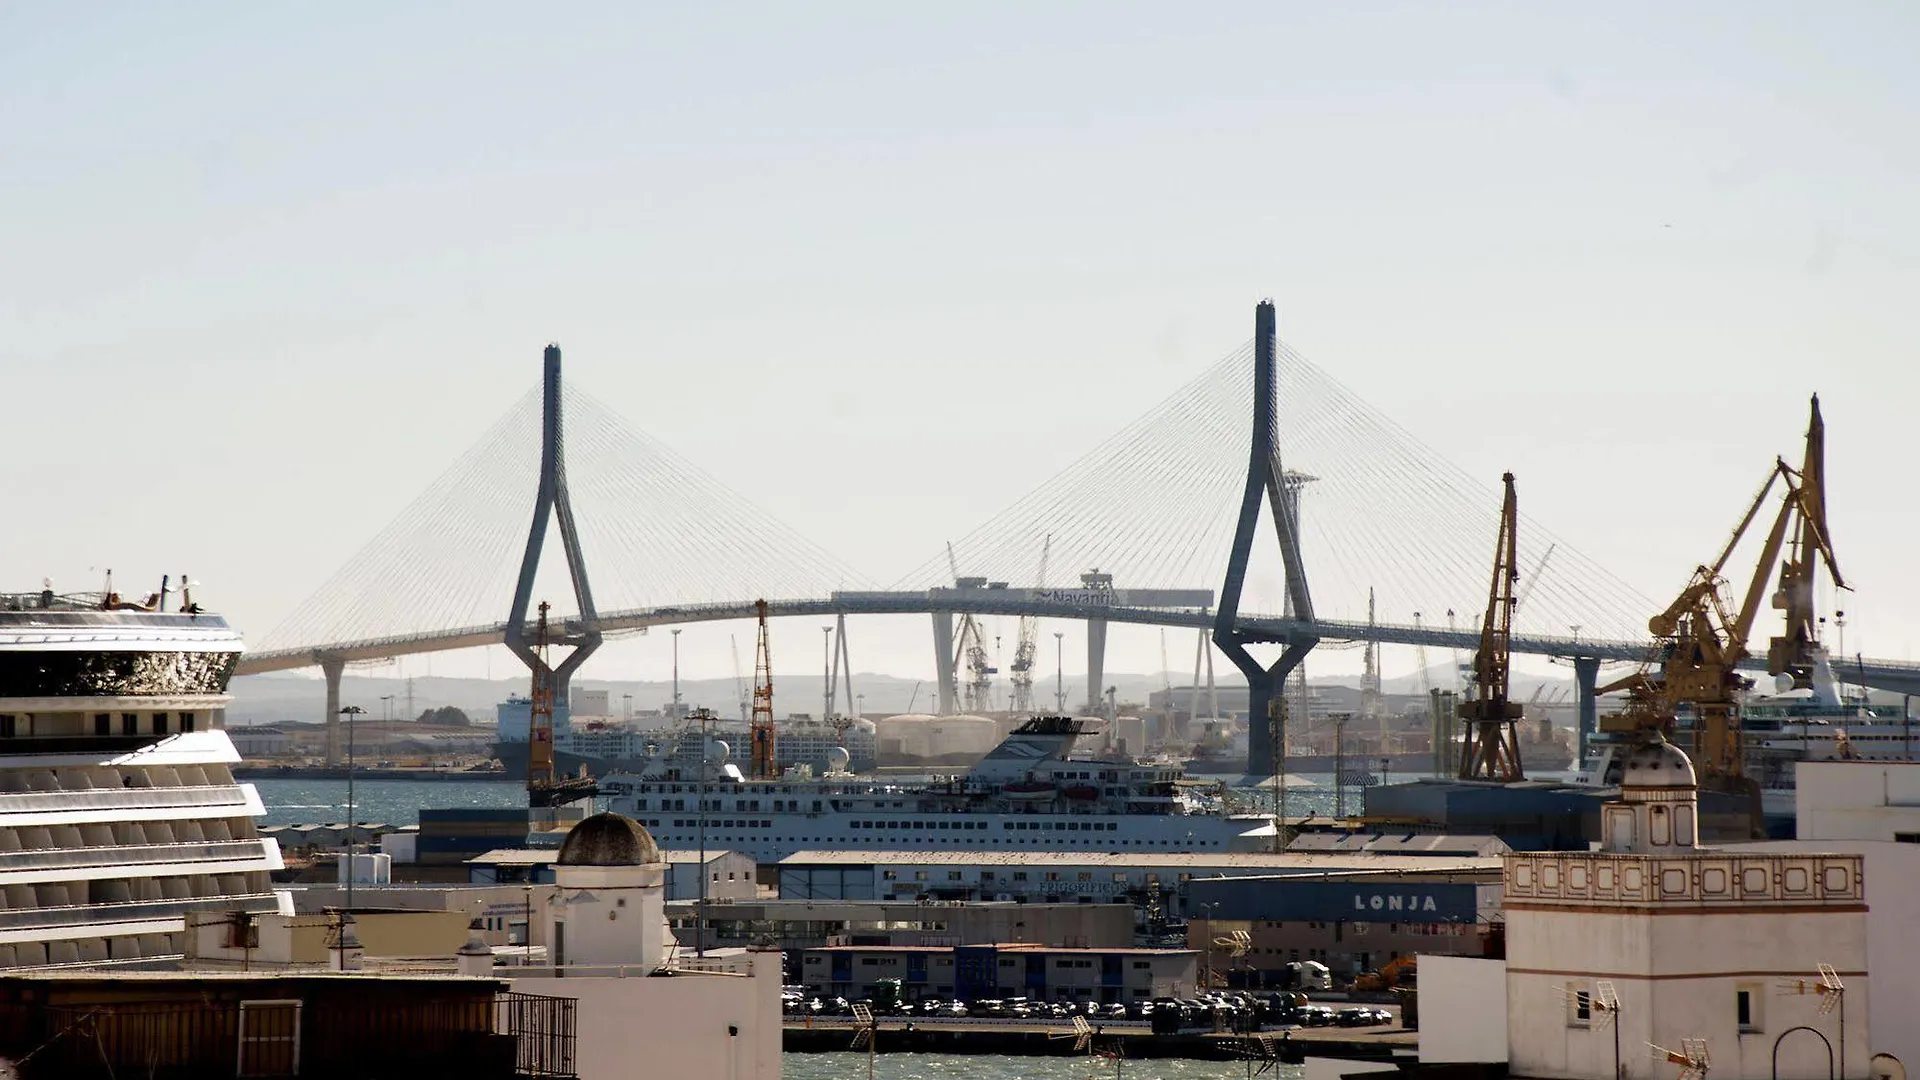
[676, 672]
[351, 712]
[700, 912]
[1059, 671]
[1206, 932]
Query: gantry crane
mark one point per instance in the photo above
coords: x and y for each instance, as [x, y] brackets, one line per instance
[1027, 648]
[972, 647]
[760, 730]
[1701, 639]
[1491, 749]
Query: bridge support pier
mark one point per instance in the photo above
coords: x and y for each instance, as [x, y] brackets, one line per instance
[1267, 478]
[943, 662]
[1096, 665]
[333, 668]
[1586, 676]
[551, 502]
[1266, 714]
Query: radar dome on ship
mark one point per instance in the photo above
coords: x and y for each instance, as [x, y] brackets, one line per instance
[838, 759]
[718, 751]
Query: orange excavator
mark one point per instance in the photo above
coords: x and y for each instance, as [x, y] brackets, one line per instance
[1400, 971]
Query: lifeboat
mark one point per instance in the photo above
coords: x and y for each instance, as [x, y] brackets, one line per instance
[1028, 789]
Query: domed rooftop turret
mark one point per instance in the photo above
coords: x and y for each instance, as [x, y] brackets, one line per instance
[609, 840]
[1657, 763]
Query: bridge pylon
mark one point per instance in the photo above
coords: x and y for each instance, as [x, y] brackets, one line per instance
[552, 503]
[1268, 478]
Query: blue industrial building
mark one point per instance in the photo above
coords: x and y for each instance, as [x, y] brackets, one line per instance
[1350, 922]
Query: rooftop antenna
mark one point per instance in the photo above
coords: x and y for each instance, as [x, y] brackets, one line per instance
[1602, 1006]
[1237, 943]
[1692, 1058]
[864, 1026]
[1833, 996]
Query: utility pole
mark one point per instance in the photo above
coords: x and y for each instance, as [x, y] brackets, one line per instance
[351, 712]
[700, 914]
[1340, 765]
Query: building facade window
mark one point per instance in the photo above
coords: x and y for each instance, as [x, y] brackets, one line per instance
[1746, 1009]
[1579, 1006]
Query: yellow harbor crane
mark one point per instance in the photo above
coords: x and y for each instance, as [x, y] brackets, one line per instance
[1491, 750]
[1701, 639]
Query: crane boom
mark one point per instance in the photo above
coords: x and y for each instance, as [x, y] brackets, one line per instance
[1026, 650]
[1492, 747]
[760, 734]
[1702, 639]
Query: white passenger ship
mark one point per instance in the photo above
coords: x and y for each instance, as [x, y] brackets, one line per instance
[1819, 724]
[1032, 791]
[119, 813]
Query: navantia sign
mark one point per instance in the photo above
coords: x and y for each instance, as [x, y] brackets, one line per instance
[1075, 597]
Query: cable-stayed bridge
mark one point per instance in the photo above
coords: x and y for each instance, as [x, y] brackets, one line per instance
[1262, 501]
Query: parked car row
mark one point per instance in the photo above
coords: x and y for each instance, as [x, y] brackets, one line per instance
[1226, 1012]
[798, 1001]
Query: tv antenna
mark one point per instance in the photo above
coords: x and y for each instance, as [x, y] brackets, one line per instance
[1082, 1036]
[864, 1027]
[1692, 1058]
[1602, 1005]
[1261, 1055]
[1828, 986]
[1833, 996]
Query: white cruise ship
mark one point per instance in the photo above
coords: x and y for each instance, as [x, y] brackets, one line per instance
[118, 808]
[1032, 791]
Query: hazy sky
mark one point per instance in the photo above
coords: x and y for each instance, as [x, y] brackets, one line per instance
[264, 272]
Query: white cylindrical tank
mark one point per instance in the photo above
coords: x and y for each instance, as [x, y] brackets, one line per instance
[1129, 735]
[961, 739]
[899, 739]
[366, 869]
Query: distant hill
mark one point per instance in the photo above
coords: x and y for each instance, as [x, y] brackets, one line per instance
[270, 699]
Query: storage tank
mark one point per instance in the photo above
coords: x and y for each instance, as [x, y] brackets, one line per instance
[900, 740]
[960, 740]
[1128, 735]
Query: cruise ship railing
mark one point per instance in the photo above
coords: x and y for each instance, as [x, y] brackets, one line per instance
[122, 798]
[88, 914]
[132, 854]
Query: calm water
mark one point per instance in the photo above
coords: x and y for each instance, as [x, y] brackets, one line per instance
[395, 802]
[983, 1067]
